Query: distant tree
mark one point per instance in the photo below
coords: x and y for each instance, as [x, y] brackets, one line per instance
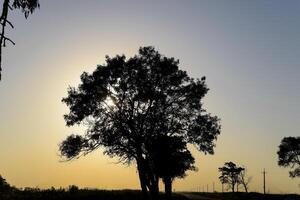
[230, 174]
[170, 159]
[73, 189]
[244, 180]
[289, 155]
[127, 103]
[26, 6]
[4, 186]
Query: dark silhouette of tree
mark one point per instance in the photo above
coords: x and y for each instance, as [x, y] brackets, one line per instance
[128, 103]
[244, 180]
[73, 189]
[230, 174]
[4, 186]
[289, 155]
[171, 159]
[223, 180]
[26, 6]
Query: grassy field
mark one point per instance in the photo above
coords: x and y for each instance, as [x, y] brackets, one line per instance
[88, 194]
[240, 196]
[82, 194]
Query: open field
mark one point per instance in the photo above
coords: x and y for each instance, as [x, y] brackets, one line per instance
[87, 194]
[82, 194]
[239, 196]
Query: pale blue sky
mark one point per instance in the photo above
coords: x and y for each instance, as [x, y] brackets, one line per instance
[248, 50]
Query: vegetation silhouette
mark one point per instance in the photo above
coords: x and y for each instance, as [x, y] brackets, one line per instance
[75, 193]
[245, 180]
[130, 104]
[171, 159]
[26, 6]
[230, 175]
[289, 155]
[8, 192]
[4, 186]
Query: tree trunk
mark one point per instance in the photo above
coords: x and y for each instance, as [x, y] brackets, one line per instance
[148, 180]
[142, 177]
[246, 189]
[168, 187]
[154, 187]
[232, 187]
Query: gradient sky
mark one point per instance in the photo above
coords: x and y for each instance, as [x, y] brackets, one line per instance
[248, 50]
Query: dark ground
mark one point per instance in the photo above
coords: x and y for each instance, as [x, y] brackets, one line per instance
[78, 194]
[239, 196]
[85, 194]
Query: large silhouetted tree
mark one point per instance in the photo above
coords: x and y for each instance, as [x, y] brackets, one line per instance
[230, 174]
[289, 155]
[127, 103]
[26, 6]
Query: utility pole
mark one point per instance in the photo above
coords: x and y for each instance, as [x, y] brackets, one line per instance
[213, 187]
[264, 177]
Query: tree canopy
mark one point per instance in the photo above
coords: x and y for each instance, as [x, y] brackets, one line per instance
[129, 103]
[289, 155]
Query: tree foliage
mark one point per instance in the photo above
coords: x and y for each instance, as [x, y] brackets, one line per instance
[130, 104]
[289, 155]
[230, 174]
[4, 186]
[170, 159]
[245, 180]
[26, 6]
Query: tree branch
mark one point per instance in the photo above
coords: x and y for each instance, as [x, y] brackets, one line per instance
[3, 39]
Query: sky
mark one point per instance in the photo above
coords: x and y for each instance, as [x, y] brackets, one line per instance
[249, 52]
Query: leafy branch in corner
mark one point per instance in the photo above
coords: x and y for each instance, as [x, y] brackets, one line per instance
[26, 6]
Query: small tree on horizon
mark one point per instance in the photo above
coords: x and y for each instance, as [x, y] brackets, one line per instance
[128, 103]
[289, 155]
[245, 180]
[230, 175]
